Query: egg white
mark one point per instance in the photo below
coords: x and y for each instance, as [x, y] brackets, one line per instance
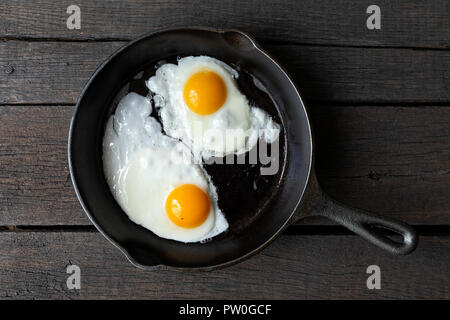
[142, 166]
[234, 128]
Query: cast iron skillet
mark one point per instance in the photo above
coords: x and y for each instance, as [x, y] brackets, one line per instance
[298, 196]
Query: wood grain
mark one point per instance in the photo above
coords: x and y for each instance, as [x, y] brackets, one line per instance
[50, 72]
[35, 185]
[301, 267]
[407, 24]
[55, 72]
[392, 160]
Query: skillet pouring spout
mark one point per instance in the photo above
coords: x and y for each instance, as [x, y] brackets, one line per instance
[369, 226]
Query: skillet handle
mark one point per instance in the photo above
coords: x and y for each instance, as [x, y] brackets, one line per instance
[365, 224]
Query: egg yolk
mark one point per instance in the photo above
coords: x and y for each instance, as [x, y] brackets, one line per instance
[205, 92]
[187, 206]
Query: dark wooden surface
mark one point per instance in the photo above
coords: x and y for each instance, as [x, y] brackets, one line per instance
[407, 24]
[393, 160]
[324, 73]
[294, 267]
[378, 100]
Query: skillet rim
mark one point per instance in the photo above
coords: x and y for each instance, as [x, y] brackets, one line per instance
[121, 247]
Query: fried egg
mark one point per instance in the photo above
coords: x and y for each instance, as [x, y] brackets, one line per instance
[153, 178]
[199, 103]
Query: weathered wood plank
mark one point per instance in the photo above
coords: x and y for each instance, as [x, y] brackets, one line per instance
[387, 160]
[52, 72]
[364, 75]
[55, 72]
[301, 267]
[412, 24]
[391, 160]
[35, 185]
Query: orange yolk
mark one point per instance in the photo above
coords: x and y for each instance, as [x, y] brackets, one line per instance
[187, 206]
[205, 92]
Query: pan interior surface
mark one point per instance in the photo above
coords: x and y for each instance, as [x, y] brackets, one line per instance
[248, 232]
